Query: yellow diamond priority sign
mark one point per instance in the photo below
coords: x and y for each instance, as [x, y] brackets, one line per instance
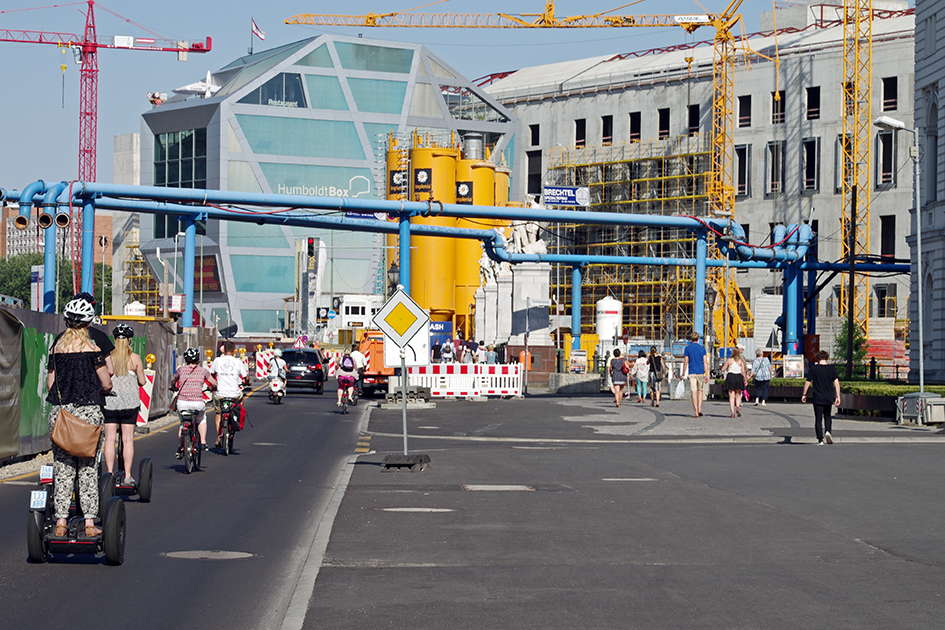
[401, 318]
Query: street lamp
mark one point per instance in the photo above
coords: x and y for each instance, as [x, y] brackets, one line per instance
[892, 124]
[393, 278]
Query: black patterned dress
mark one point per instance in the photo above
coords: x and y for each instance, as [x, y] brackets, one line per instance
[81, 393]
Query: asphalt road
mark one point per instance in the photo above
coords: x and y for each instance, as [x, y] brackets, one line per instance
[263, 501]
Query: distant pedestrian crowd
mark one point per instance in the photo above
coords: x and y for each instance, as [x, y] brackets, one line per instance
[461, 350]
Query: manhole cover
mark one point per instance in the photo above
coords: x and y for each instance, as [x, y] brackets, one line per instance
[208, 555]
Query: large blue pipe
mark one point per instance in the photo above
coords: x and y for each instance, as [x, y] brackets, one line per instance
[88, 247]
[190, 238]
[576, 307]
[698, 304]
[22, 220]
[49, 255]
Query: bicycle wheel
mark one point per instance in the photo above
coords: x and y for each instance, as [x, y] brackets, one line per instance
[198, 451]
[225, 435]
[188, 453]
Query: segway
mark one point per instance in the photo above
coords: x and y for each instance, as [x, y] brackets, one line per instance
[141, 486]
[41, 540]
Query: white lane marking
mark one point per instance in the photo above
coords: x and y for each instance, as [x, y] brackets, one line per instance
[417, 510]
[497, 488]
[18, 483]
[629, 479]
[267, 444]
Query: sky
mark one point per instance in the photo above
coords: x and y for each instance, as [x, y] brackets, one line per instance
[39, 103]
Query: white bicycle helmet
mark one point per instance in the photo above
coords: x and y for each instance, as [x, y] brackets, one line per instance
[191, 355]
[79, 313]
[123, 331]
[278, 352]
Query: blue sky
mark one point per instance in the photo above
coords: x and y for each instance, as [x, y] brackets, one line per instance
[39, 116]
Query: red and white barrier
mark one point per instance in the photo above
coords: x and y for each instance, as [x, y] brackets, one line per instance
[144, 395]
[463, 380]
[263, 359]
[332, 356]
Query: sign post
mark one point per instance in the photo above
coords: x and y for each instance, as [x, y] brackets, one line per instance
[400, 319]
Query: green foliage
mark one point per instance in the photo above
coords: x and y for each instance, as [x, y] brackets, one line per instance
[859, 351]
[15, 279]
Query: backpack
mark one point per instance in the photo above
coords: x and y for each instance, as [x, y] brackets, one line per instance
[347, 362]
[447, 349]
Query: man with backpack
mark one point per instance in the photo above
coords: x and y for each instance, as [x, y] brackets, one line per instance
[347, 373]
[446, 351]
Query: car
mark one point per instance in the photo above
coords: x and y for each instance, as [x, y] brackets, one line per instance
[305, 367]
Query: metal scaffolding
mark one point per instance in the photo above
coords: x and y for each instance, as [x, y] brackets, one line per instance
[141, 285]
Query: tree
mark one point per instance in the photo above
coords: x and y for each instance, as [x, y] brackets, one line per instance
[15, 278]
[859, 349]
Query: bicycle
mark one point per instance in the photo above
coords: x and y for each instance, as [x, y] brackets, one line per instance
[229, 424]
[191, 449]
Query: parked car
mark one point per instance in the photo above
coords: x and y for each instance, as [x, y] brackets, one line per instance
[305, 367]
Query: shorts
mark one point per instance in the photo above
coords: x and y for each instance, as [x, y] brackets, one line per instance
[217, 398]
[120, 416]
[193, 405]
[345, 381]
[697, 382]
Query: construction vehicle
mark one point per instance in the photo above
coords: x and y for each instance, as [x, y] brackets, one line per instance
[376, 376]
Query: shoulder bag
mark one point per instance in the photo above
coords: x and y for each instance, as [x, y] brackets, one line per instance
[71, 433]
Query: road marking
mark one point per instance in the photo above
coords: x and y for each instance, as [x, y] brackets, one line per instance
[20, 483]
[267, 444]
[497, 488]
[417, 510]
[629, 479]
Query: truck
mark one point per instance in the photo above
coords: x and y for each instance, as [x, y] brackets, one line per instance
[376, 376]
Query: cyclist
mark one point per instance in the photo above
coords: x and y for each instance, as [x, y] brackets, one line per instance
[189, 380]
[347, 374]
[360, 362]
[121, 409]
[231, 375]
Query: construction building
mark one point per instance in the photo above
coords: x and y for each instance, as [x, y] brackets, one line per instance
[635, 129]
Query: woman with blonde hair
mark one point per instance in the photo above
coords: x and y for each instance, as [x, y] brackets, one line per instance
[735, 378]
[77, 380]
[121, 409]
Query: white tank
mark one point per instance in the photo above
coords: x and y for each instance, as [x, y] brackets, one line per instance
[609, 313]
[136, 309]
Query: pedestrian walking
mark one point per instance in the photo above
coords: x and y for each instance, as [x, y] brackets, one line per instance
[641, 372]
[735, 378]
[825, 383]
[446, 351]
[761, 372]
[696, 365]
[618, 375]
[656, 370]
[491, 356]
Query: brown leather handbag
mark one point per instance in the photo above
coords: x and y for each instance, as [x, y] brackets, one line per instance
[73, 434]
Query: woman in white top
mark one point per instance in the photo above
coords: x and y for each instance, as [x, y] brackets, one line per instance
[735, 379]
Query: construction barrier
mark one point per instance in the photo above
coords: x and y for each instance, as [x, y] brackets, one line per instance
[263, 359]
[462, 380]
[144, 395]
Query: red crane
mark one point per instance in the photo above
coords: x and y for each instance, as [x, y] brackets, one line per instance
[86, 50]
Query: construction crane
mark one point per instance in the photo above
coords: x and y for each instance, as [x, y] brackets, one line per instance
[721, 188]
[85, 48]
[857, 120]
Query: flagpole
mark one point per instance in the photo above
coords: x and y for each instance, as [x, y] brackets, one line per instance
[251, 35]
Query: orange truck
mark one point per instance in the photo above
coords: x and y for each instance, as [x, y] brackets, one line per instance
[376, 375]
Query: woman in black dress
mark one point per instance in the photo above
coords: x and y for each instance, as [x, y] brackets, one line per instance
[618, 377]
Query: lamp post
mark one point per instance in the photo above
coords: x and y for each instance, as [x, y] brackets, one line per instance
[892, 124]
[393, 278]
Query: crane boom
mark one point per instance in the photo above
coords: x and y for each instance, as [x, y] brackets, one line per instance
[497, 20]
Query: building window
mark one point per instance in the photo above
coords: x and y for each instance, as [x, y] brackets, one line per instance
[693, 120]
[931, 32]
[282, 90]
[180, 161]
[813, 103]
[890, 94]
[885, 159]
[887, 236]
[774, 168]
[777, 108]
[580, 132]
[664, 123]
[743, 171]
[743, 304]
[842, 152]
[534, 172]
[607, 130]
[810, 165]
[634, 127]
[534, 135]
[744, 111]
[885, 300]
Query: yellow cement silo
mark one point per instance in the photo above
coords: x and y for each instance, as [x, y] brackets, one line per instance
[432, 268]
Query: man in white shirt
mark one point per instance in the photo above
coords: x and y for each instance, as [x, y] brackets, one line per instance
[230, 373]
[360, 362]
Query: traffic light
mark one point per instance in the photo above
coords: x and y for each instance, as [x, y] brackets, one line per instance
[311, 246]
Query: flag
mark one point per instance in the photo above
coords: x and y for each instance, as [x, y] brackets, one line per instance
[258, 32]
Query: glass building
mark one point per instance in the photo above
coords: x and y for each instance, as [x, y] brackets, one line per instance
[308, 118]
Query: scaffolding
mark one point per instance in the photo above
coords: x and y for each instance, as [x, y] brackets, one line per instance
[141, 285]
[664, 177]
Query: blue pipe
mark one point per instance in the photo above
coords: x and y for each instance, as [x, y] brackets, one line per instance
[799, 307]
[190, 238]
[779, 253]
[698, 310]
[49, 255]
[88, 248]
[576, 307]
[404, 230]
[22, 221]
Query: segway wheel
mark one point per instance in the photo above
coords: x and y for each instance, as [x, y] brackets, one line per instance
[114, 531]
[188, 454]
[106, 488]
[36, 546]
[144, 480]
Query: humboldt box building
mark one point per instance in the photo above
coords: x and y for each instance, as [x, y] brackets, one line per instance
[308, 118]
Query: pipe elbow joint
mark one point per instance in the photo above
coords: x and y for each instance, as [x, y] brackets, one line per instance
[22, 220]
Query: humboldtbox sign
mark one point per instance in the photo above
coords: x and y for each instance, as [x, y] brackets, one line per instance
[566, 196]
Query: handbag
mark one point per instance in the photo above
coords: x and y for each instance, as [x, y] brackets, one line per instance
[624, 367]
[72, 434]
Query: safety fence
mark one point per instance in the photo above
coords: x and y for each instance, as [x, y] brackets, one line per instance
[463, 380]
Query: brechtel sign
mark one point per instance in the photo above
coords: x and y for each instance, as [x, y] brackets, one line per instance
[566, 196]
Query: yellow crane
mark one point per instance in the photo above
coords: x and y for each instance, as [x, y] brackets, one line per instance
[721, 189]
